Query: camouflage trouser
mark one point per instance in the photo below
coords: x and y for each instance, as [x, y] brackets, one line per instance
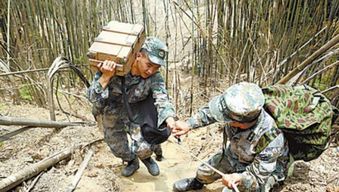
[116, 130]
[226, 164]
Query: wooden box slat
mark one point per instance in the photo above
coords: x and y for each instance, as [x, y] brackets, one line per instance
[117, 42]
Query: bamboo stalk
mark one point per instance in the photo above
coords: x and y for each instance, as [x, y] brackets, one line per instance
[324, 48]
[8, 30]
[320, 71]
[36, 123]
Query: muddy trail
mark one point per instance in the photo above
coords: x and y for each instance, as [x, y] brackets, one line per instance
[103, 171]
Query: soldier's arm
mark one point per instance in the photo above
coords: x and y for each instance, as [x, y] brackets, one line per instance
[107, 69]
[202, 118]
[162, 103]
[260, 171]
[96, 94]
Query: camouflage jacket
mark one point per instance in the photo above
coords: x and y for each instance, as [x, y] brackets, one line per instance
[245, 146]
[137, 89]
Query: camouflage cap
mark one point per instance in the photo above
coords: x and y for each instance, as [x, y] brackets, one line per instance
[241, 102]
[156, 50]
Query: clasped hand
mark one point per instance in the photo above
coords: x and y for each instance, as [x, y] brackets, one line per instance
[231, 180]
[108, 68]
[180, 128]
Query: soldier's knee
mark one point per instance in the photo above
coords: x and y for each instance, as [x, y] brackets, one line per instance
[123, 154]
[270, 183]
[144, 150]
[205, 176]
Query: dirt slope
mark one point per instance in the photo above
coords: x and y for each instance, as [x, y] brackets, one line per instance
[103, 171]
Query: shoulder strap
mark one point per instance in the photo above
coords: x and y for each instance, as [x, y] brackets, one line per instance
[266, 139]
[125, 100]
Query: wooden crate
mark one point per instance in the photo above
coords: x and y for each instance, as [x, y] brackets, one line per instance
[118, 42]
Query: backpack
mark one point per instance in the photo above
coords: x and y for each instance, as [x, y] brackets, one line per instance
[305, 117]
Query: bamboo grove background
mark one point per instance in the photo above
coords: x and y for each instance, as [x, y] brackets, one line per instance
[216, 43]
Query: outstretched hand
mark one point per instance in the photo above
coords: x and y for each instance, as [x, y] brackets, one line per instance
[231, 179]
[170, 123]
[181, 128]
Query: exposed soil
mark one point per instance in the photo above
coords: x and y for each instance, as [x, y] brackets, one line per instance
[103, 172]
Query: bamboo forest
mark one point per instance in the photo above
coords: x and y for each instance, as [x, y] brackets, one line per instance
[244, 95]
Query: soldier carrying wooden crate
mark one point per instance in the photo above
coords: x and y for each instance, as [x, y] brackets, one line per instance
[133, 103]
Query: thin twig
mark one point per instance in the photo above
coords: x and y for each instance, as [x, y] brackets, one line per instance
[93, 142]
[80, 171]
[25, 71]
[34, 182]
[330, 89]
[290, 56]
[334, 41]
[324, 69]
[300, 48]
[235, 188]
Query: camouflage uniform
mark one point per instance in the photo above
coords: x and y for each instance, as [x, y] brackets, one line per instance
[109, 103]
[261, 164]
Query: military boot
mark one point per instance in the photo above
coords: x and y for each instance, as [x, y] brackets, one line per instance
[159, 157]
[158, 152]
[152, 166]
[187, 185]
[131, 167]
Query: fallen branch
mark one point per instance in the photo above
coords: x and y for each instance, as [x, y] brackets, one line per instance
[34, 182]
[26, 173]
[25, 71]
[80, 171]
[11, 134]
[37, 123]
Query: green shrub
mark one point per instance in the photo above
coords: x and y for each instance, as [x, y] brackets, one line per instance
[25, 93]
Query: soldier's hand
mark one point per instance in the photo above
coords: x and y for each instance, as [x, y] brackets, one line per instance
[170, 123]
[181, 128]
[231, 179]
[108, 68]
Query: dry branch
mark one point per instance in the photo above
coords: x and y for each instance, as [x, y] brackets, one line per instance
[29, 172]
[34, 182]
[11, 134]
[334, 41]
[36, 123]
[320, 71]
[17, 178]
[81, 169]
[25, 71]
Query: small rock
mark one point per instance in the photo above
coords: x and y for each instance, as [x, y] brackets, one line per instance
[92, 173]
[29, 159]
[99, 165]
